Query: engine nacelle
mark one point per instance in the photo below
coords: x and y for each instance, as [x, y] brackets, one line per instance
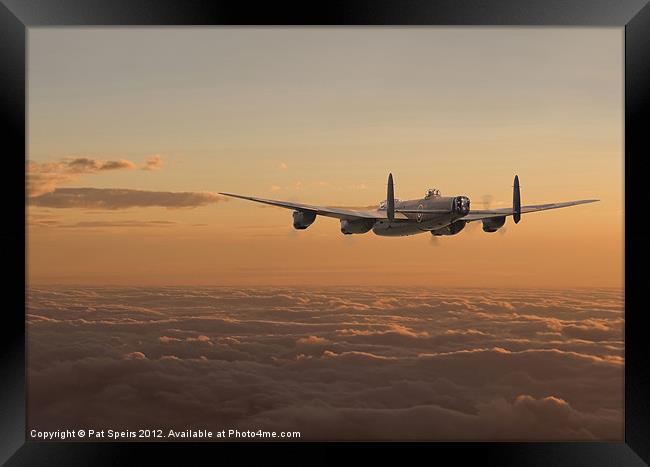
[493, 223]
[303, 219]
[359, 226]
[451, 229]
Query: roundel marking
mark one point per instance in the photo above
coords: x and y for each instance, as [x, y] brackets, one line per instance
[420, 207]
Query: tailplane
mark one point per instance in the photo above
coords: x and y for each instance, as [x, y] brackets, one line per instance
[516, 201]
[390, 199]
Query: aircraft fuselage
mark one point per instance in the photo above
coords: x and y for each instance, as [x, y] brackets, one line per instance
[420, 221]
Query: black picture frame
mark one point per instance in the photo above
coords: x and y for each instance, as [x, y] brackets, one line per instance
[17, 15]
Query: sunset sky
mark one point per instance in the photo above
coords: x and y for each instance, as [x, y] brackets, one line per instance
[133, 131]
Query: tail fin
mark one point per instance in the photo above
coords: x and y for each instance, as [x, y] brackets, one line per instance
[390, 199]
[516, 201]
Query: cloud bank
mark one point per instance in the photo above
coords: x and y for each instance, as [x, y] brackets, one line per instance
[115, 198]
[335, 364]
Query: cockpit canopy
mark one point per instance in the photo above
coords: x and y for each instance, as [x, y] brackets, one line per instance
[431, 193]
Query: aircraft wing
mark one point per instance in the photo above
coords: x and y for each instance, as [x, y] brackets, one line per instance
[486, 214]
[339, 213]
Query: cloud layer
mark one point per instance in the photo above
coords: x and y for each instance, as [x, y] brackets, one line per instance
[115, 198]
[335, 364]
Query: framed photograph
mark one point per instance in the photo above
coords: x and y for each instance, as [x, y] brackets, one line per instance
[388, 229]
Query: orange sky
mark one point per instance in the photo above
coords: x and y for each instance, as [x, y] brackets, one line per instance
[321, 116]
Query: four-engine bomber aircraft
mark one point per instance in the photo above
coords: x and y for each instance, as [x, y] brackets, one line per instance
[439, 215]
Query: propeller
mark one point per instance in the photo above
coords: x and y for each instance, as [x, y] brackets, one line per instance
[487, 201]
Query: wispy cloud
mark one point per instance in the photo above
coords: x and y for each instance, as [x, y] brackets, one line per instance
[154, 162]
[299, 185]
[45, 177]
[84, 165]
[117, 224]
[358, 186]
[114, 198]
